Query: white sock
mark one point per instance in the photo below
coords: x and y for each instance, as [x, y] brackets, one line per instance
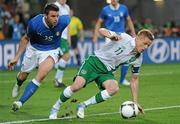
[36, 82]
[90, 101]
[57, 104]
[68, 92]
[105, 95]
[59, 75]
[60, 72]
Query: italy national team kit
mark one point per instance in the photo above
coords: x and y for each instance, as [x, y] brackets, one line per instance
[44, 41]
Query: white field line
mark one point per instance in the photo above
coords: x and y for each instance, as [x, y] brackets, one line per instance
[152, 73]
[90, 115]
[68, 78]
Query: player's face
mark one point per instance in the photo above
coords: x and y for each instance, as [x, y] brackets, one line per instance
[52, 18]
[142, 43]
[114, 2]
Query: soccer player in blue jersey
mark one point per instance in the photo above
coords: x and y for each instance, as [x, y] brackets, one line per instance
[42, 50]
[114, 17]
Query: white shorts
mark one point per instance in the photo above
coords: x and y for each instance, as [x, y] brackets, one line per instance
[33, 57]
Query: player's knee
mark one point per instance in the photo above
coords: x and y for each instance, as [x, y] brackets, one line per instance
[78, 84]
[113, 89]
[22, 76]
[76, 87]
[66, 56]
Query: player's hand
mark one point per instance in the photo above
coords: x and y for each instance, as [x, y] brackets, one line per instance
[12, 63]
[115, 37]
[140, 109]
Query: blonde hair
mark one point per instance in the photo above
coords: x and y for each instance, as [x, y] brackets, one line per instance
[146, 33]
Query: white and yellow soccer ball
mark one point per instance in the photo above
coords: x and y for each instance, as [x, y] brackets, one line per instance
[128, 109]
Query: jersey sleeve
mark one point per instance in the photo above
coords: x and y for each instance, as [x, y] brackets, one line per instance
[30, 28]
[102, 14]
[136, 65]
[65, 21]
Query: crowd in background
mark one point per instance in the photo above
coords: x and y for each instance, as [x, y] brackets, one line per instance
[169, 29]
[12, 20]
[14, 17]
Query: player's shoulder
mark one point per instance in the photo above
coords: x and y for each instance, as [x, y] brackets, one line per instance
[106, 7]
[126, 36]
[36, 19]
[65, 19]
[60, 6]
[123, 6]
[67, 6]
[57, 4]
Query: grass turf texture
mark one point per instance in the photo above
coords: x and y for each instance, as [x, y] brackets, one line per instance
[159, 87]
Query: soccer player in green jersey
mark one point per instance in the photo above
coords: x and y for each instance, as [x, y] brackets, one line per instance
[99, 67]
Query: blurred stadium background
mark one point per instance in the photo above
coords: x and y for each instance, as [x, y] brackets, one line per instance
[159, 85]
[161, 16]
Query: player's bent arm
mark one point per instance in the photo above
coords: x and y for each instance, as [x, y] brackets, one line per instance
[134, 90]
[109, 34]
[131, 26]
[22, 45]
[97, 26]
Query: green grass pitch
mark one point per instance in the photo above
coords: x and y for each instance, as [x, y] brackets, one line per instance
[159, 87]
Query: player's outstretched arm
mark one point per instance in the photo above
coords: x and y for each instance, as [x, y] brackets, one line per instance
[109, 34]
[22, 45]
[134, 91]
[131, 26]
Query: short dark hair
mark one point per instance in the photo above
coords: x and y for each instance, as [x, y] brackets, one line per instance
[146, 33]
[50, 7]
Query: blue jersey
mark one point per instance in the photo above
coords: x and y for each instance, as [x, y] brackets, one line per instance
[44, 38]
[114, 19]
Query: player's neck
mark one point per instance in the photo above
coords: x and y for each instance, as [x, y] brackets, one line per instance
[47, 23]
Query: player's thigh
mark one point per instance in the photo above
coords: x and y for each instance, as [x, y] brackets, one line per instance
[79, 83]
[44, 67]
[111, 86]
[102, 78]
[46, 61]
[87, 71]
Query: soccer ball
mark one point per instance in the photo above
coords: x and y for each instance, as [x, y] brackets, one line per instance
[128, 109]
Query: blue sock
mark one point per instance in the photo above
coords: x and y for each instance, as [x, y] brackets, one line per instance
[124, 70]
[28, 92]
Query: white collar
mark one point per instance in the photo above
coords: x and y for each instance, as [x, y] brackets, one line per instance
[45, 22]
[113, 8]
